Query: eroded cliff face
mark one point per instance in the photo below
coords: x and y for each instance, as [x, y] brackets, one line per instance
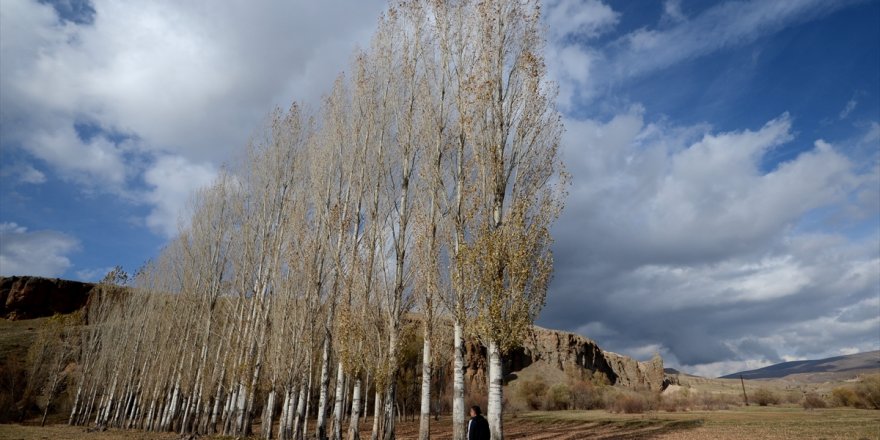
[35, 297]
[571, 354]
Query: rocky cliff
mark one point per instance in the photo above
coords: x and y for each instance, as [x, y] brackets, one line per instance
[35, 297]
[572, 355]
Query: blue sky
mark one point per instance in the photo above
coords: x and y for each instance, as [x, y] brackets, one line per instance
[724, 208]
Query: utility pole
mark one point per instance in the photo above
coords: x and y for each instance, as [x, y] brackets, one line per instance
[745, 396]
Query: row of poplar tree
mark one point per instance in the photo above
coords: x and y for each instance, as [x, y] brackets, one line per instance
[424, 184]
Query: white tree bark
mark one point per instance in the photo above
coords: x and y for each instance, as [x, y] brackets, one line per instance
[321, 428]
[458, 409]
[425, 410]
[268, 415]
[377, 407]
[337, 403]
[300, 411]
[493, 412]
[354, 423]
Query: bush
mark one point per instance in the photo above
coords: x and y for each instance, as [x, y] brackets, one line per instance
[764, 397]
[868, 390]
[532, 392]
[631, 402]
[559, 397]
[722, 401]
[587, 395]
[680, 400]
[846, 396]
[813, 401]
[792, 396]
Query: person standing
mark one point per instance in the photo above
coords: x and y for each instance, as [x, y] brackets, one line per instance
[478, 427]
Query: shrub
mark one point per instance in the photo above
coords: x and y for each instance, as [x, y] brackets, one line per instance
[716, 401]
[559, 397]
[532, 392]
[813, 401]
[764, 397]
[587, 395]
[846, 396]
[680, 400]
[792, 396]
[631, 402]
[868, 390]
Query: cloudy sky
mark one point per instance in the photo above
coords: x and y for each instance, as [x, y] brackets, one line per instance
[725, 207]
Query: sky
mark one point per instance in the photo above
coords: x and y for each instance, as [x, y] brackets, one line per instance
[725, 156]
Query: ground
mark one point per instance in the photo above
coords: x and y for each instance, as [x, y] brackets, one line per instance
[767, 423]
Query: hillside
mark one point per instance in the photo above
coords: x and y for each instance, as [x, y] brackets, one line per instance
[821, 370]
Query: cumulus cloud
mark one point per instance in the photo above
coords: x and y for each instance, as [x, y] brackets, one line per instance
[41, 253]
[160, 83]
[171, 181]
[675, 237]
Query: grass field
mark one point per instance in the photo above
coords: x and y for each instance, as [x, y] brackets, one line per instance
[752, 422]
[766, 423]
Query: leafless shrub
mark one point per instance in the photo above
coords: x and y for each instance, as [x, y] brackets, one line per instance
[764, 397]
[868, 390]
[813, 401]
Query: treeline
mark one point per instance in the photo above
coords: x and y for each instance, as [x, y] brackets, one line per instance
[426, 182]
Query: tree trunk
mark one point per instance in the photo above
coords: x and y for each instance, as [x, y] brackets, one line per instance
[337, 403]
[425, 413]
[268, 413]
[391, 389]
[300, 409]
[493, 412]
[458, 410]
[353, 428]
[321, 428]
[377, 405]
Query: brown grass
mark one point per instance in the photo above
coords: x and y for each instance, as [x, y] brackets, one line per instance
[766, 423]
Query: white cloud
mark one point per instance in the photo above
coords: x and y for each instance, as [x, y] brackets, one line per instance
[569, 23]
[32, 175]
[40, 253]
[23, 173]
[686, 223]
[172, 181]
[723, 25]
[645, 50]
[188, 80]
[92, 275]
[850, 106]
[672, 12]
[580, 18]
[717, 369]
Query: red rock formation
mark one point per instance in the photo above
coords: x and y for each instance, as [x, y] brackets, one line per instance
[34, 297]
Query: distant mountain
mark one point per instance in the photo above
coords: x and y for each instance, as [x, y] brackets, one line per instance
[833, 368]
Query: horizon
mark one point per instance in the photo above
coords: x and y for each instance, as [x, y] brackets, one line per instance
[725, 157]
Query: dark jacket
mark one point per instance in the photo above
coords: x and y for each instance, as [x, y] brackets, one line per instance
[478, 428]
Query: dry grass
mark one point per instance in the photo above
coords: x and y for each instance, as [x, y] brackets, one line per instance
[64, 432]
[767, 423]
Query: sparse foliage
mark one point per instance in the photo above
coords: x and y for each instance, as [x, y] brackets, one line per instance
[427, 181]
